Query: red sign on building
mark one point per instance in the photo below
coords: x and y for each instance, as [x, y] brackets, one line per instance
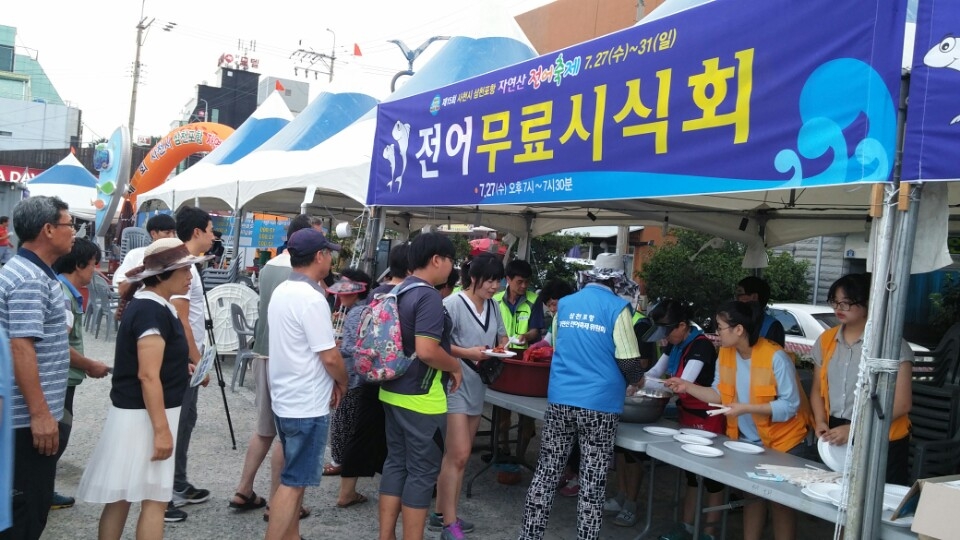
[10, 173]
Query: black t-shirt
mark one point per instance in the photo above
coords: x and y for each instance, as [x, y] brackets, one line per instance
[140, 315]
[421, 313]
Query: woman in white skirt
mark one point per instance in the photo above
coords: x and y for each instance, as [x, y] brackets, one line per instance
[477, 327]
[133, 459]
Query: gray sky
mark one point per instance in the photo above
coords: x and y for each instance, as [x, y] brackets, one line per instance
[88, 49]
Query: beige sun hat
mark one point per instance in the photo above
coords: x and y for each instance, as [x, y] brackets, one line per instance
[162, 256]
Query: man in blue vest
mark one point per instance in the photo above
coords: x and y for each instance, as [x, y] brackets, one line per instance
[523, 318]
[754, 289]
[595, 356]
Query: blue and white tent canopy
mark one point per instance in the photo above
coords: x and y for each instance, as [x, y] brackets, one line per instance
[70, 181]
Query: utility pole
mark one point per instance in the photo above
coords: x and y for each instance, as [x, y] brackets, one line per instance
[142, 27]
[307, 58]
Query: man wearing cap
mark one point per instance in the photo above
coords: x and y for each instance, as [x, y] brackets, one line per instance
[275, 272]
[33, 316]
[595, 357]
[306, 373]
[159, 226]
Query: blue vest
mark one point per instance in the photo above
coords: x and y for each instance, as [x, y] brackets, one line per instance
[768, 321]
[584, 372]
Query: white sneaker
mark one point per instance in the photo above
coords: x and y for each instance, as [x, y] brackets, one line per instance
[611, 507]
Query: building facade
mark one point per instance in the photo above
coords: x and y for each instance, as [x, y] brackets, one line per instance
[32, 114]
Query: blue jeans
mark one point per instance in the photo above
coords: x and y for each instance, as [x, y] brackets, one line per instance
[303, 441]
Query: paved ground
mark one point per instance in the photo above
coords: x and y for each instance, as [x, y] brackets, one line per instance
[214, 465]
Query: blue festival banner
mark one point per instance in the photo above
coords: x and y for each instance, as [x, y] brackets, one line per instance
[732, 95]
[932, 141]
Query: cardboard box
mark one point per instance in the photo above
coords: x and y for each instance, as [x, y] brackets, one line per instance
[936, 510]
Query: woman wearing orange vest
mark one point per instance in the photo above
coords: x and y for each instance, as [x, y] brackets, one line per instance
[757, 381]
[836, 360]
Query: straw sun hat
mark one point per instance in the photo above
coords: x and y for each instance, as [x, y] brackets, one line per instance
[164, 255]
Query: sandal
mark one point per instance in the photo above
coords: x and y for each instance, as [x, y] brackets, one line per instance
[303, 513]
[358, 499]
[625, 518]
[251, 502]
[332, 470]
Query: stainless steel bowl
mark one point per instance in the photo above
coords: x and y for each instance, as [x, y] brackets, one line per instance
[644, 408]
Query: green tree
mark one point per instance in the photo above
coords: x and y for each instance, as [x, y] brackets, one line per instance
[706, 282]
[710, 279]
[946, 305]
[546, 257]
[787, 278]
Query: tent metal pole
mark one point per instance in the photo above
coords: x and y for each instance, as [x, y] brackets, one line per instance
[374, 233]
[883, 335]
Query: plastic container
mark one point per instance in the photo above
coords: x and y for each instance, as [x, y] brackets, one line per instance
[523, 378]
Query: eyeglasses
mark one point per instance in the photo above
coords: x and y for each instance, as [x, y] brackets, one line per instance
[722, 328]
[451, 259]
[70, 223]
[842, 306]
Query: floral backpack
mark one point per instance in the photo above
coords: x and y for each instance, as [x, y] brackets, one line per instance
[379, 355]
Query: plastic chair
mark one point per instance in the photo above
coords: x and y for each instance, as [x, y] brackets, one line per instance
[244, 352]
[132, 238]
[213, 277]
[105, 306]
[935, 439]
[941, 365]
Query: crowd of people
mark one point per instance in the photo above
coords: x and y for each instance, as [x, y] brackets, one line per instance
[417, 429]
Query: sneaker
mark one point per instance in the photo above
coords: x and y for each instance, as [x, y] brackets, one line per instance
[452, 532]
[611, 507]
[190, 495]
[435, 523]
[174, 514]
[572, 489]
[61, 501]
[626, 518]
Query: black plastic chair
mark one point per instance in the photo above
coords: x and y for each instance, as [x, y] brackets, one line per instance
[935, 440]
[941, 365]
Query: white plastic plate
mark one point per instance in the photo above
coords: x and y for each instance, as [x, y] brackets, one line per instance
[692, 439]
[698, 432]
[662, 431]
[746, 448]
[702, 451]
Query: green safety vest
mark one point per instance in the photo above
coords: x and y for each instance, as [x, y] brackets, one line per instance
[521, 323]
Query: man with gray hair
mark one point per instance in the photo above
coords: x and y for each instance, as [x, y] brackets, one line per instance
[32, 314]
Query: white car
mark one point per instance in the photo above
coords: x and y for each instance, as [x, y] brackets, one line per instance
[803, 324]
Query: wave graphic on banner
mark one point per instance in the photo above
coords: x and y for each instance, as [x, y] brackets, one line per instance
[824, 123]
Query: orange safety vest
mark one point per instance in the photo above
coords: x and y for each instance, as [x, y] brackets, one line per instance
[780, 436]
[899, 427]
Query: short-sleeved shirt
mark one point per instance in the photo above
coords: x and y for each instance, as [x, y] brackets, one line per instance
[421, 388]
[133, 259]
[471, 329]
[31, 306]
[275, 272]
[843, 371]
[4, 239]
[300, 328]
[149, 314]
[195, 297]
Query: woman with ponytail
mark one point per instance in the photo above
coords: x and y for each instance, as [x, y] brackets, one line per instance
[758, 383]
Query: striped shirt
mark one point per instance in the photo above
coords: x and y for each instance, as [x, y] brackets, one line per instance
[32, 306]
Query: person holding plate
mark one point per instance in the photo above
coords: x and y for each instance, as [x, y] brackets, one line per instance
[758, 383]
[133, 458]
[836, 364]
[691, 356]
[477, 327]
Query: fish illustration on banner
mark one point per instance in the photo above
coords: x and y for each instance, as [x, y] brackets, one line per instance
[727, 96]
[933, 121]
[112, 162]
